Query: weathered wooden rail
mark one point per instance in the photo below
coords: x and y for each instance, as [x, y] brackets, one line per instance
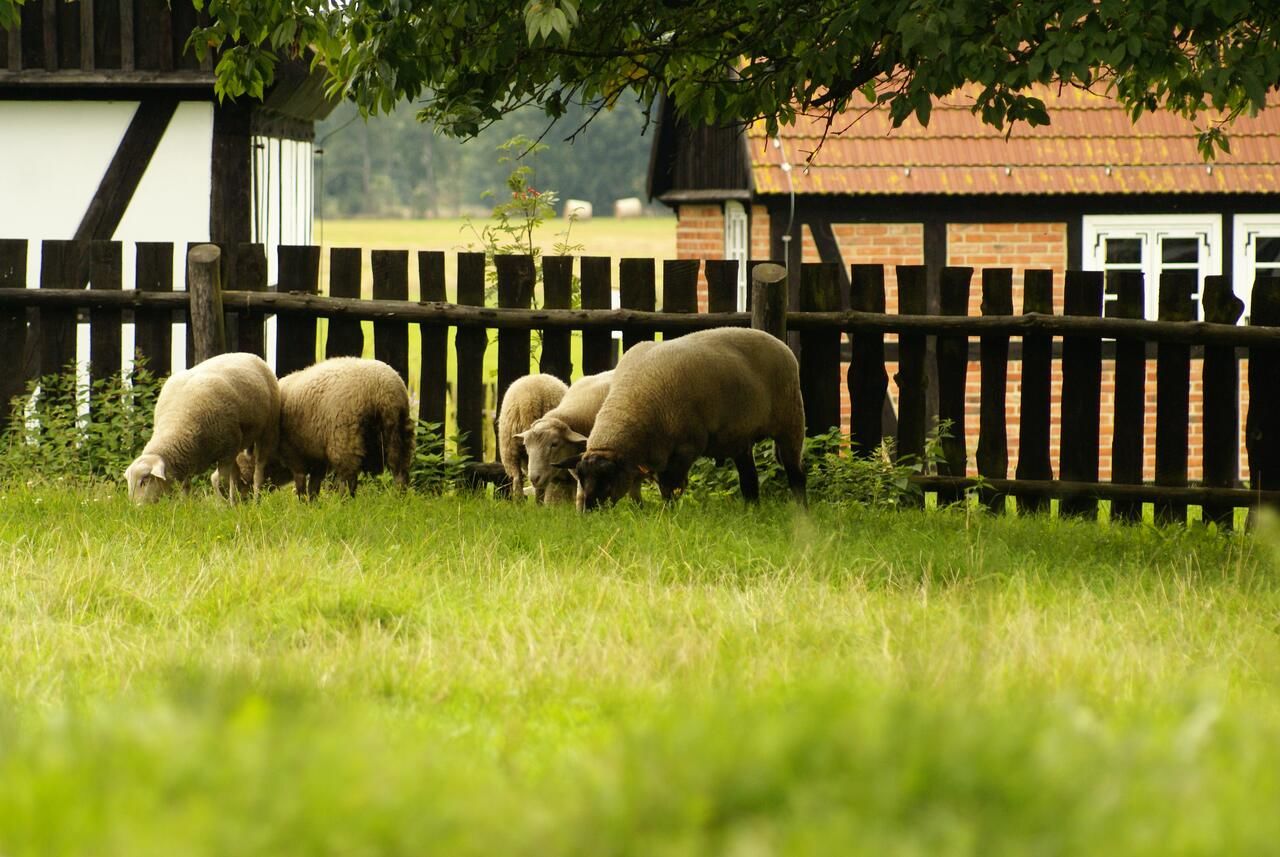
[37, 335]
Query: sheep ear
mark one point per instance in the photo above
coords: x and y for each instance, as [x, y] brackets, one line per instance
[573, 437]
[157, 470]
[519, 437]
[569, 463]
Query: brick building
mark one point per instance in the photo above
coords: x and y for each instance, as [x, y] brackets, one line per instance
[1090, 191]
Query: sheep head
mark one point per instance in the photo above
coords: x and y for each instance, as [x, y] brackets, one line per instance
[547, 444]
[602, 478]
[147, 479]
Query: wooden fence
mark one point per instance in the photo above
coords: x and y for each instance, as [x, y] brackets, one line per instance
[37, 335]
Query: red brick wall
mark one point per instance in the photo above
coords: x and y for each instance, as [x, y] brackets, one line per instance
[760, 232]
[700, 235]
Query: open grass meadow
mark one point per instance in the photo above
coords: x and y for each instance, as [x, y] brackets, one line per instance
[460, 675]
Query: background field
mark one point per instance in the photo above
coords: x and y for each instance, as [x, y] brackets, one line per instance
[395, 675]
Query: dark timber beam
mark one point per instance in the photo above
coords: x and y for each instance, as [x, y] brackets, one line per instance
[230, 207]
[120, 182]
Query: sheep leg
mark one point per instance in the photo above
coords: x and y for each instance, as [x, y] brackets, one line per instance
[672, 481]
[789, 456]
[748, 478]
[300, 483]
[229, 475]
[314, 477]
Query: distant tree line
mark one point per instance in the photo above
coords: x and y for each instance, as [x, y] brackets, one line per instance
[395, 166]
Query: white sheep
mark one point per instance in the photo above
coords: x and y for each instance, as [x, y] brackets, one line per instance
[204, 416]
[562, 432]
[714, 392]
[345, 414]
[525, 401]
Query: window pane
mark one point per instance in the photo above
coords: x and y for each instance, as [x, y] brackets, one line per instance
[1180, 250]
[1120, 250]
[1267, 249]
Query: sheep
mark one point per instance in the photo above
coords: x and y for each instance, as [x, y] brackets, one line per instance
[562, 432]
[276, 475]
[525, 401]
[714, 392]
[204, 416]
[345, 414]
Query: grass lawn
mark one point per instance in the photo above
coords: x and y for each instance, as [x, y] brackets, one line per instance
[409, 675]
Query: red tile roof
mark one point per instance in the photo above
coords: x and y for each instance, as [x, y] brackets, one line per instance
[1089, 147]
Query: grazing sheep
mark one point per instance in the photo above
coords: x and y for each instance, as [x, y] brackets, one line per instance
[276, 475]
[716, 393]
[562, 432]
[525, 401]
[345, 414]
[204, 416]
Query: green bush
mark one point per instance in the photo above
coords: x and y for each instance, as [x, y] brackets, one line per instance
[63, 427]
[434, 469]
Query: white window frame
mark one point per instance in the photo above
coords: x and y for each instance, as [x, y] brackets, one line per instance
[737, 244]
[1151, 229]
[1247, 228]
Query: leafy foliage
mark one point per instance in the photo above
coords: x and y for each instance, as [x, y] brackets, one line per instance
[53, 436]
[434, 469]
[469, 63]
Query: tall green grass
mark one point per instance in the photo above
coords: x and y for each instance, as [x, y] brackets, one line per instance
[401, 674]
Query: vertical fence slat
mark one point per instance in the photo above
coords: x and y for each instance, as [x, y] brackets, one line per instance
[557, 293]
[679, 288]
[953, 372]
[249, 274]
[153, 329]
[868, 382]
[1173, 392]
[1220, 383]
[1081, 391]
[993, 438]
[597, 293]
[63, 265]
[106, 273]
[433, 385]
[637, 290]
[722, 285]
[346, 336]
[1262, 426]
[296, 335]
[820, 349]
[516, 276]
[13, 324]
[1128, 438]
[912, 395]
[391, 283]
[1035, 403]
[471, 343]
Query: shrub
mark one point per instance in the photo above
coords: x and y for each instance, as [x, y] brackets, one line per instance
[68, 428]
[434, 469]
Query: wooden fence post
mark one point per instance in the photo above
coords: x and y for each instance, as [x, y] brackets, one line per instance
[953, 370]
[819, 349]
[679, 289]
[1173, 392]
[296, 335]
[204, 277]
[912, 379]
[1262, 426]
[597, 345]
[1035, 402]
[345, 335]
[251, 276]
[637, 290]
[1081, 392]
[868, 382]
[557, 293]
[1220, 383]
[516, 277]
[769, 299]
[1129, 415]
[106, 267]
[63, 265]
[722, 285]
[471, 343]
[433, 382]
[391, 283]
[993, 438]
[13, 324]
[153, 329]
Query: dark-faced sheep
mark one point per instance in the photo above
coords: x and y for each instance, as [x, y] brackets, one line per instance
[204, 416]
[715, 393]
[561, 434]
[525, 401]
[347, 415]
